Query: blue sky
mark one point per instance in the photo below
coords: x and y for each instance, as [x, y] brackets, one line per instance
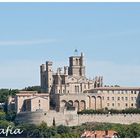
[32, 33]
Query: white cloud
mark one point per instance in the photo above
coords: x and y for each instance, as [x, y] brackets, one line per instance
[26, 42]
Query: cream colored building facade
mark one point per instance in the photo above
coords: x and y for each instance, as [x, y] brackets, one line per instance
[65, 93]
[31, 101]
[72, 88]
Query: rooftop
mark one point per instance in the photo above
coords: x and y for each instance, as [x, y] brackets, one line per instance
[117, 88]
[27, 93]
[100, 134]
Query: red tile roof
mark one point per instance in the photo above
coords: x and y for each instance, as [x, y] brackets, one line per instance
[100, 134]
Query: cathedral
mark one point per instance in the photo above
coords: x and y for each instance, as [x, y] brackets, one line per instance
[67, 91]
[71, 87]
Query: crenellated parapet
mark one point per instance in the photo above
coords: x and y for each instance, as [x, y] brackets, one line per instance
[98, 81]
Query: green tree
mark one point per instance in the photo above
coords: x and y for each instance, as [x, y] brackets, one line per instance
[2, 115]
[62, 129]
[5, 93]
[10, 115]
[33, 88]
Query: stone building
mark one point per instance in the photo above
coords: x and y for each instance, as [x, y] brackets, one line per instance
[100, 134]
[65, 93]
[71, 81]
[68, 87]
[71, 87]
[31, 101]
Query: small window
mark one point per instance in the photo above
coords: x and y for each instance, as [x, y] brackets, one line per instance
[107, 98]
[132, 98]
[126, 98]
[76, 61]
[131, 104]
[113, 98]
[107, 104]
[38, 101]
[112, 104]
[118, 104]
[122, 98]
[118, 98]
[126, 104]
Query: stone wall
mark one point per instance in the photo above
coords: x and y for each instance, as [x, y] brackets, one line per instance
[72, 119]
[114, 118]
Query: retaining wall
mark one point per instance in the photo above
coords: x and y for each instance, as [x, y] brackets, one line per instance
[72, 119]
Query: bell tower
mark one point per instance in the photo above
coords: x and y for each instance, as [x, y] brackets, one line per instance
[46, 77]
[76, 65]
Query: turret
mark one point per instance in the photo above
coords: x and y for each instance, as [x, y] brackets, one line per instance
[76, 66]
[65, 70]
[49, 76]
[82, 59]
[42, 68]
[42, 77]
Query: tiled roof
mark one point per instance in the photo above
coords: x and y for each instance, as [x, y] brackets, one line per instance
[29, 93]
[100, 134]
[116, 88]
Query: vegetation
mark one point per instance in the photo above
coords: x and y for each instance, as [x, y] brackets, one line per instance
[33, 88]
[4, 93]
[43, 131]
[111, 111]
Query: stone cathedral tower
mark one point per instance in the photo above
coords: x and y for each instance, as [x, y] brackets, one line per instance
[76, 66]
[46, 77]
[70, 80]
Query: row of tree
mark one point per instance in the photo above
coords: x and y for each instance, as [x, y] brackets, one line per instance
[5, 93]
[43, 131]
[111, 111]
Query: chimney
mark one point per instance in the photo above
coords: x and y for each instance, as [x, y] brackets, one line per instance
[106, 132]
[95, 135]
[42, 68]
[65, 70]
